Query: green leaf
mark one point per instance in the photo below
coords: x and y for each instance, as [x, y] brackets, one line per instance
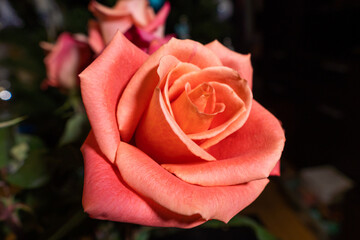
[12, 122]
[33, 173]
[73, 129]
[243, 221]
[34, 142]
[20, 151]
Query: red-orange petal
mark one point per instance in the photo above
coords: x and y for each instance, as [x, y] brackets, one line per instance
[150, 180]
[250, 153]
[102, 83]
[143, 83]
[106, 196]
[160, 136]
[234, 60]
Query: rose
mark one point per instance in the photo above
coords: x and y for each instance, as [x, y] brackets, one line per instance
[176, 138]
[135, 18]
[65, 60]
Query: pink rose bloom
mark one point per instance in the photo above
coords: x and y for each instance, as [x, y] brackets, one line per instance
[177, 138]
[135, 18]
[65, 60]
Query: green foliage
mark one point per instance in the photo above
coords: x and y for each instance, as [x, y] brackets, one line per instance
[74, 128]
[11, 122]
[4, 146]
[28, 166]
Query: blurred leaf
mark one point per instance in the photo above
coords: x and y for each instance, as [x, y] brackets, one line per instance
[242, 221]
[33, 173]
[33, 170]
[20, 151]
[12, 122]
[4, 146]
[143, 233]
[34, 142]
[73, 129]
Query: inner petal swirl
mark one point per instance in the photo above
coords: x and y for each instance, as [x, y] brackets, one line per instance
[195, 108]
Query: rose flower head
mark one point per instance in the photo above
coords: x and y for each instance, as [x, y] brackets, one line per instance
[135, 18]
[177, 138]
[65, 60]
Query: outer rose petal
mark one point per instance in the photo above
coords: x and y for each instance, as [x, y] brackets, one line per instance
[234, 60]
[248, 154]
[138, 92]
[106, 196]
[276, 170]
[102, 82]
[154, 182]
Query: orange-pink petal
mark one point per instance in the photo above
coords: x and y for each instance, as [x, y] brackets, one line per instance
[222, 75]
[252, 152]
[234, 108]
[106, 196]
[102, 83]
[194, 110]
[234, 60]
[153, 182]
[145, 80]
[160, 136]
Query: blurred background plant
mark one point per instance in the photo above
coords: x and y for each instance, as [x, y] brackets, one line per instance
[305, 72]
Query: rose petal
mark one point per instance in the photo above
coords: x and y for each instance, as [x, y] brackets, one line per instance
[159, 19]
[189, 112]
[150, 180]
[140, 12]
[179, 70]
[112, 20]
[106, 196]
[234, 108]
[101, 85]
[161, 137]
[234, 60]
[219, 74]
[140, 88]
[250, 153]
[276, 170]
[96, 41]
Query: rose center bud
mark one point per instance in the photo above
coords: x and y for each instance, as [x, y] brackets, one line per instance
[195, 108]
